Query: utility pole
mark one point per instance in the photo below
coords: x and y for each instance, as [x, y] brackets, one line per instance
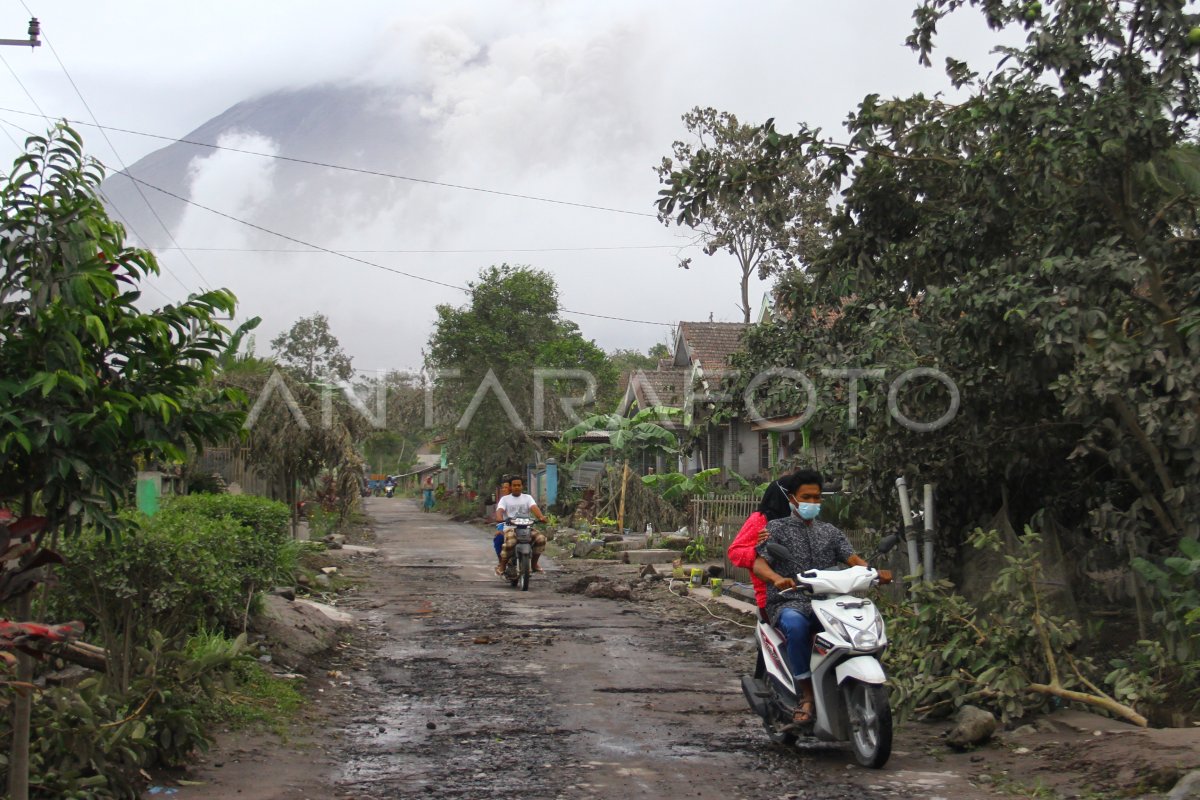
[32, 41]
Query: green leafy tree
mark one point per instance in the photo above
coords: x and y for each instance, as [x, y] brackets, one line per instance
[311, 352]
[765, 225]
[624, 361]
[509, 328]
[89, 383]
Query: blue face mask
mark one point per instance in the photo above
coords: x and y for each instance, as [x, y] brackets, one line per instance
[807, 511]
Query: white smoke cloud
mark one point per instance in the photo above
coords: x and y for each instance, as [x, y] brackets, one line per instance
[560, 100]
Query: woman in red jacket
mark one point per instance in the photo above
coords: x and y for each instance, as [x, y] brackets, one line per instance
[774, 505]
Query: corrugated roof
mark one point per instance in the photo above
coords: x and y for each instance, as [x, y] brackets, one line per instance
[713, 343]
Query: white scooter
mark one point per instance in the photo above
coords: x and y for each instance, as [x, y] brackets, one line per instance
[848, 680]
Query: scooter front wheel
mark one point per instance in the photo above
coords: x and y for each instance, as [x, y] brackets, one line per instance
[523, 570]
[870, 722]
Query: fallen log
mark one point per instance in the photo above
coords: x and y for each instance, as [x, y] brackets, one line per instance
[84, 654]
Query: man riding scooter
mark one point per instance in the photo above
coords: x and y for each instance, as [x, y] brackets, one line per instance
[811, 544]
[513, 505]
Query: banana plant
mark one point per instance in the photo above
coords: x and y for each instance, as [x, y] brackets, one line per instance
[673, 486]
[627, 435]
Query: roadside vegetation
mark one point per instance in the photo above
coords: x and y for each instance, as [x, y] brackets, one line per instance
[1034, 237]
[150, 648]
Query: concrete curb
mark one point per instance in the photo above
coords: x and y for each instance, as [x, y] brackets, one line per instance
[704, 593]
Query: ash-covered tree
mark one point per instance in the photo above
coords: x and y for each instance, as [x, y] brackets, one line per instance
[1036, 241]
[311, 352]
[766, 225]
[487, 359]
[390, 445]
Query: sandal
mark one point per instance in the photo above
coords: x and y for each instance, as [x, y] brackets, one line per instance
[499, 569]
[802, 718]
[538, 569]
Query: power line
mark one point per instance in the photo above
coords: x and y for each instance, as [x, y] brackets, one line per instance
[359, 170]
[347, 254]
[356, 259]
[146, 200]
[110, 203]
[435, 252]
[150, 286]
[27, 94]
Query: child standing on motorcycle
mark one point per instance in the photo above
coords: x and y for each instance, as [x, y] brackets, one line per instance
[518, 504]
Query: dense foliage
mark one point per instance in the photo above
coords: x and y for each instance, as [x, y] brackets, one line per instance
[90, 384]
[88, 381]
[168, 600]
[1034, 242]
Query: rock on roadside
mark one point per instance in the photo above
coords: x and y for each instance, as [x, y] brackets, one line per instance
[1188, 787]
[296, 631]
[974, 726]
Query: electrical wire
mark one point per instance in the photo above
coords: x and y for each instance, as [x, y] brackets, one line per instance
[356, 259]
[359, 170]
[110, 204]
[30, 133]
[146, 200]
[344, 254]
[13, 72]
[436, 252]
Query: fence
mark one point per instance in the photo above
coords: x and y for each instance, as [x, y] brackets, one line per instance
[717, 518]
[231, 464]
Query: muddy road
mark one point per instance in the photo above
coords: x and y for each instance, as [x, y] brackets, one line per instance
[455, 685]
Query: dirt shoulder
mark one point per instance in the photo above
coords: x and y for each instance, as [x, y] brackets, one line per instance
[628, 698]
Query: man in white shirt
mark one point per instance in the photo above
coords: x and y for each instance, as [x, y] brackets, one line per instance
[518, 504]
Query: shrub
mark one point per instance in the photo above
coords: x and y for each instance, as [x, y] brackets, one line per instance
[164, 574]
[196, 564]
[1008, 653]
[93, 741]
[254, 545]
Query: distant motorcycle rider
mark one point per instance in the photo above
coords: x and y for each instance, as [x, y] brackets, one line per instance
[513, 505]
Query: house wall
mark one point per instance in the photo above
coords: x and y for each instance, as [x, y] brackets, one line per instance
[746, 454]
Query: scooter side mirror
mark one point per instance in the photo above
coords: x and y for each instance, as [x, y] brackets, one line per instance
[887, 543]
[777, 552]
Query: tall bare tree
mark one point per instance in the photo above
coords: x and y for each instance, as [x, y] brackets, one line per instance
[768, 226]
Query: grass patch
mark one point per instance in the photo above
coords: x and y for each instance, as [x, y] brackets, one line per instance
[249, 695]
[260, 699]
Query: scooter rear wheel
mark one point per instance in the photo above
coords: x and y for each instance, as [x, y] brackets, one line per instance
[870, 723]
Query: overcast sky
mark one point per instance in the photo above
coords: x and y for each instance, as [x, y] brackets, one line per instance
[563, 100]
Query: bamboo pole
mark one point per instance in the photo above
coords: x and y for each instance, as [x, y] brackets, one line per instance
[18, 764]
[621, 509]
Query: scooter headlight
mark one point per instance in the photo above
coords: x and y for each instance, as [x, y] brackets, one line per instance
[865, 640]
[860, 639]
[834, 625]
